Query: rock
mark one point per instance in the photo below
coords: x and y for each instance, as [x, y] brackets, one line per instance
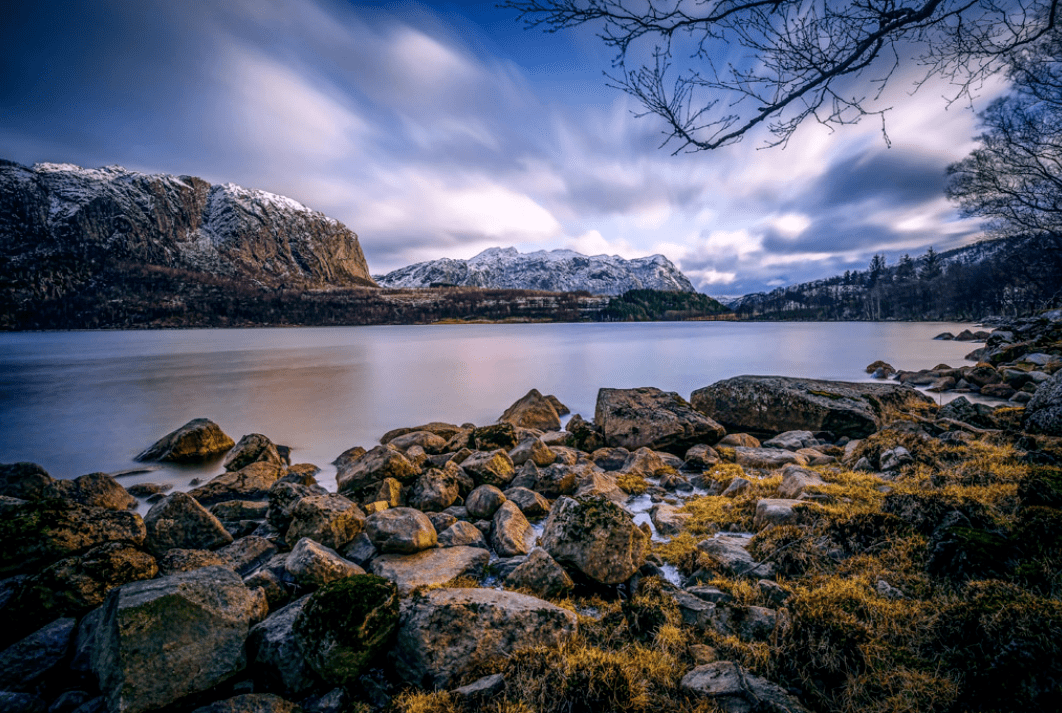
[34, 534]
[400, 530]
[667, 519]
[388, 491]
[1043, 414]
[163, 639]
[961, 409]
[196, 440]
[252, 448]
[439, 428]
[251, 703]
[143, 490]
[583, 435]
[283, 495]
[11, 702]
[449, 632]
[736, 486]
[767, 458]
[179, 560]
[945, 336]
[776, 511]
[743, 440]
[348, 456]
[895, 458]
[25, 663]
[596, 537]
[532, 504]
[998, 391]
[610, 459]
[791, 440]
[441, 520]
[70, 701]
[346, 626]
[25, 481]
[493, 468]
[313, 565]
[375, 465]
[881, 369]
[436, 489]
[484, 501]
[275, 656]
[511, 533]
[534, 450]
[247, 554]
[331, 520]
[557, 479]
[430, 442]
[431, 567]
[481, 689]
[643, 462]
[633, 418]
[249, 483]
[700, 457]
[533, 410]
[796, 479]
[360, 551]
[462, 534]
[776, 404]
[541, 575]
[732, 554]
[594, 484]
[735, 690]
[490, 438]
[982, 375]
[95, 489]
[179, 521]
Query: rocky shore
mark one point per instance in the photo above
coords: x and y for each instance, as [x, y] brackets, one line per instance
[769, 544]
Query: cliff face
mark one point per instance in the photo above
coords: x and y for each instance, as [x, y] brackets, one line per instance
[60, 225]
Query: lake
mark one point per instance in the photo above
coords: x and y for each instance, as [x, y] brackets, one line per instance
[80, 402]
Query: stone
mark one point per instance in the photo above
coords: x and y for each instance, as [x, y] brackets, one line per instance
[775, 404]
[143, 490]
[387, 491]
[462, 534]
[700, 457]
[1043, 413]
[439, 428]
[556, 480]
[179, 521]
[481, 689]
[540, 575]
[998, 391]
[331, 520]
[347, 626]
[532, 504]
[237, 510]
[275, 656]
[163, 639]
[595, 537]
[400, 530]
[732, 555]
[533, 410]
[736, 486]
[791, 440]
[767, 458]
[360, 551]
[743, 440]
[511, 534]
[251, 703]
[534, 450]
[25, 481]
[12, 702]
[252, 448]
[633, 418]
[249, 483]
[431, 567]
[449, 632]
[441, 520]
[313, 565]
[982, 375]
[493, 468]
[28, 661]
[348, 456]
[377, 464]
[776, 511]
[283, 495]
[796, 479]
[895, 458]
[644, 462]
[667, 519]
[36, 533]
[592, 483]
[501, 436]
[247, 554]
[180, 560]
[197, 440]
[436, 490]
[735, 690]
[583, 435]
[95, 489]
[961, 409]
[430, 442]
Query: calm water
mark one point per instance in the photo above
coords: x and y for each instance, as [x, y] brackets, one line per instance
[79, 402]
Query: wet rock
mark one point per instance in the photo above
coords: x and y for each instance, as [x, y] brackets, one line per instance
[331, 520]
[767, 458]
[375, 465]
[196, 440]
[792, 440]
[483, 502]
[595, 537]
[74, 585]
[541, 575]
[667, 519]
[251, 703]
[274, 653]
[633, 418]
[143, 490]
[252, 448]
[313, 565]
[25, 663]
[511, 534]
[735, 690]
[499, 436]
[400, 530]
[982, 375]
[437, 489]
[583, 435]
[249, 483]
[998, 391]
[95, 489]
[462, 534]
[533, 410]
[431, 567]
[795, 480]
[534, 450]
[1043, 414]
[25, 481]
[441, 635]
[179, 521]
[557, 480]
[431, 443]
[387, 491]
[360, 551]
[493, 468]
[180, 560]
[532, 504]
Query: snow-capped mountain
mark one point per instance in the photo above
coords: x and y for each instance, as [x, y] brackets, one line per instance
[61, 224]
[553, 271]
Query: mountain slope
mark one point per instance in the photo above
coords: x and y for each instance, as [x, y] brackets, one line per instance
[62, 226]
[553, 271]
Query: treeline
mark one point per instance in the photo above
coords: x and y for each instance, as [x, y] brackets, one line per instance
[1010, 277]
[655, 306]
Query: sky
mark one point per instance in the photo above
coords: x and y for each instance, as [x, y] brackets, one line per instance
[439, 129]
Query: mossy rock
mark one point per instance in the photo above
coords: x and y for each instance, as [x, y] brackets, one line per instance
[346, 625]
[924, 511]
[1043, 487]
[964, 553]
[491, 438]
[862, 531]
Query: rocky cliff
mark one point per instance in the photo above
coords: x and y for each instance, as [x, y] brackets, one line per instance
[61, 226]
[553, 271]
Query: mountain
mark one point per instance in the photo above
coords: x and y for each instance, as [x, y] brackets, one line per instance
[63, 227]
[552, 271]
[1006, 276]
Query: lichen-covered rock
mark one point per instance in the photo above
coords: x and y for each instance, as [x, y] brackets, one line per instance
[451, 631]
[541, 575]
[534, 450]
[179, 521]
[533, 410]
[275, 656]
[594, 484]
[251, 703]
[375, 465]
[26, 662]
[436, 490]
[791, 440]
[332, 520]
[492, 468]
[181, 560]
[1043, 414]
[661, 420]
[346, 626]
[251, 482]
[484, 501]
[400, 530]
[511, 534]
[163, 639]
[252, 448]
[595, 537]
[25, 481]
[196, 440]
[735, 690]
[431, 567]
[497, 436]
[462, 534]
[775, 404]
[96, 489]
[532, 504]
[312, 565]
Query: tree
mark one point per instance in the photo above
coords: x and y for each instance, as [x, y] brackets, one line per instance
[931, 266]
[794, 60]
[905, 269]
[877, 270]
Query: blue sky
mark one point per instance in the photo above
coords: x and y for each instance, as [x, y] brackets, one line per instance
[440, 129]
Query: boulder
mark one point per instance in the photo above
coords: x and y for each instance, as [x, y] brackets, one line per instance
[275, 656]
[372, 467]
[661, 420]
[498, 436]
[533, 410]
[961, 409]
[735, 690]
[700, 457]
[95, 489]
[583, 435]
[437, 489]
[483, 502]
[449, 632]
[346, 626]
[439, 428]
[430, 442]
[179, 521]
[792, 440]
[493, 468]
[511, 534]
[252, 448]
[644, 462]
[795, 480]
[196, 440]
[775, 404]
[541, 575]
[247, 554]
[732, 555]
[462, 534]
[534, 450]
[283, 495]
[313, 565]
[25, 663]
[331, 520]
[400, 530]
[1043, 414]
[180, 560]
[595, 537]
[25, 481]
[251, 703]
[557, 479]
[767, 458]
[249, 483]
[531, 504]
[431, 567]
[776, 511]
[163, 639]
[667, 519]
[596, 484]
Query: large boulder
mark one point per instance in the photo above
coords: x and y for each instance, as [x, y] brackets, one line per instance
[196, 440]
[1043, 414]
[430, 567]
[400, 530]
[313, 565]
[735, 690]
[252, 448]
[25, 663]
[511, 534]
[163, 639]
[346, 626]
[533, 410]
[179, 521]
[437, 489]
[331, 520]
[661, 420]
[96, 489]
[484, 501]
[541, 575]
[372, 467]
[595, 537]
[275, 656]
[774, 404]
[251, 482]
[449, 632]
[25, 481]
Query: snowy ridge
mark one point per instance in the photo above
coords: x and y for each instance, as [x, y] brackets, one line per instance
[552, 271]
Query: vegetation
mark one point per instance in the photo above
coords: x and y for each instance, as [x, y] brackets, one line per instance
[656, 305]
